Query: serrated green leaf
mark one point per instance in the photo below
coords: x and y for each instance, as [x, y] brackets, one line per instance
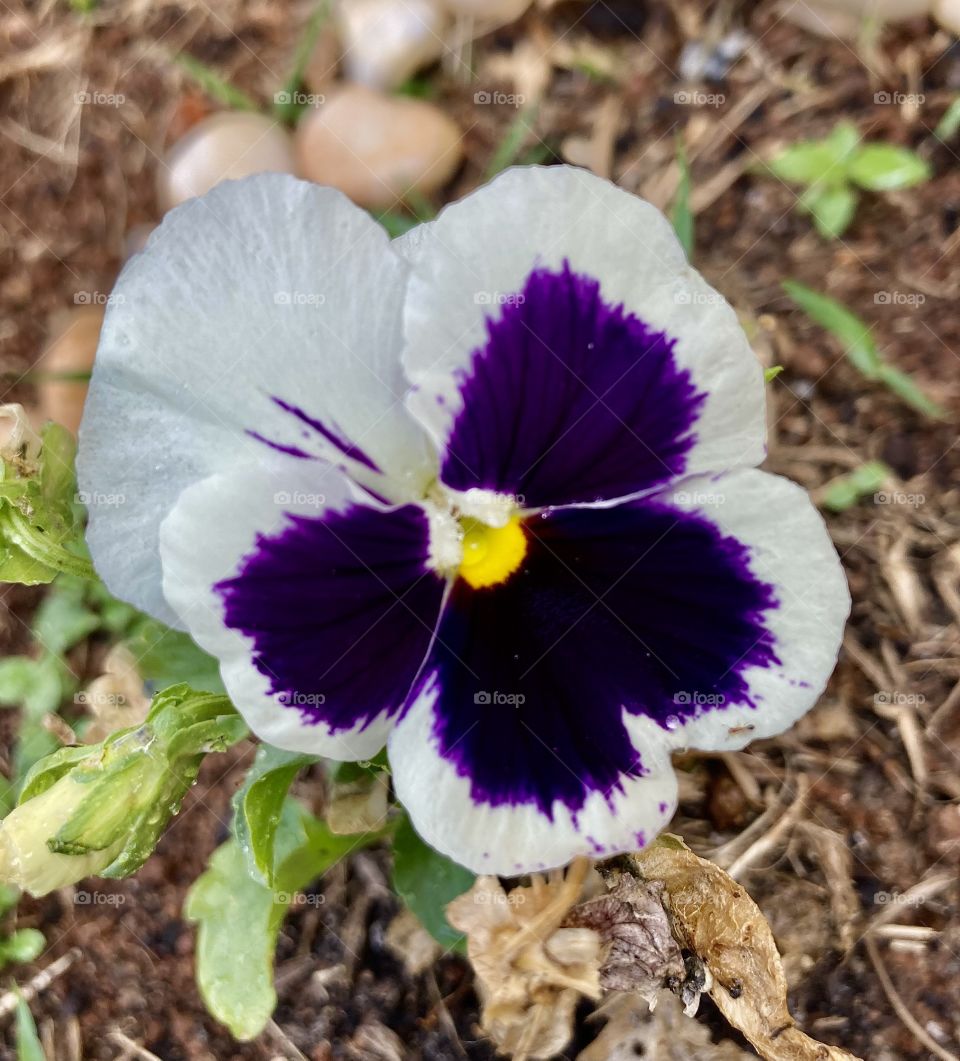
[28, 1042]
[846, 490]
[427, 881]
[258, 803]
[832, 208]
[886, 167]
[852, 332]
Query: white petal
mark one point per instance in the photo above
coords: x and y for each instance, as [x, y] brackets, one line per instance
[791, 551]
[330, 631]
[266, 288]
[479, 252]
[511, 839]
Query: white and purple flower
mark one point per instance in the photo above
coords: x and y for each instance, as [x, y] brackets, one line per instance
[485, 494]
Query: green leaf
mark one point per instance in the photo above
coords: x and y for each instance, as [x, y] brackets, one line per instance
[908, 391]
[860, 347]
[166, 657]
[950, 122]
[846, 490]
[258, 803]
[238, 919]
[285, 106]
[885, 167]
[426, 881]
[770, 374]
[215, 86]
[817, 162]
[832, 208]
[28, 1042]
[681, 215]
[852, 332]
[24, 945]
[64, 619]
[41, 530]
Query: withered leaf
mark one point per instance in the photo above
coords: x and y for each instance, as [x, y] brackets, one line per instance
[639, 951]
[714, 917]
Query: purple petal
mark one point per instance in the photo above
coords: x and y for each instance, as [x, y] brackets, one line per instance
[571, 400]
[341, 609]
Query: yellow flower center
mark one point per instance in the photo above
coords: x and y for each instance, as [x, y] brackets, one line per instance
[491, 554]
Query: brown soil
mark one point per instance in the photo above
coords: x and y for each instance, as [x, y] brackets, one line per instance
[881, 777]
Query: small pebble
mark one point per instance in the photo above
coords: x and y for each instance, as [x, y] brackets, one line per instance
[376, 148]
[72, 350]
[386, 41]
[226, 145]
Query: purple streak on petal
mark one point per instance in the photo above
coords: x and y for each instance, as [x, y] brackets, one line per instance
[341, 609]
[614, 610]
[342, 444]
[571, 399]
[291, 451]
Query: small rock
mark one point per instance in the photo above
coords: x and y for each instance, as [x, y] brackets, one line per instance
[377, 149]
[385, 41]
[224, 146]
[72, 350]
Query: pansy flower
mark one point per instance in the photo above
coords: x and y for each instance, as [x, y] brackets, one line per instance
[485, 494]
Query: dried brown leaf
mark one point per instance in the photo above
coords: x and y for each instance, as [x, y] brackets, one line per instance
[530, 971]
[639, 951]
[714, 917]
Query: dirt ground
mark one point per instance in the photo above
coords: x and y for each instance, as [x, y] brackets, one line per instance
[847, 829]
